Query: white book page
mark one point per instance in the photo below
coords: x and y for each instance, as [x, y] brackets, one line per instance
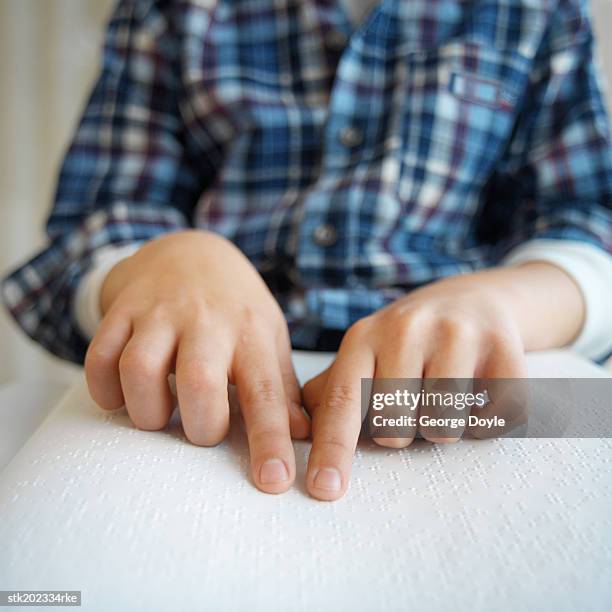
[147, 521]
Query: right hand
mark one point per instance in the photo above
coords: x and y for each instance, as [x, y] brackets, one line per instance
[191, 303]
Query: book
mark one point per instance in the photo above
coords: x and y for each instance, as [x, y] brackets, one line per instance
[141, 520]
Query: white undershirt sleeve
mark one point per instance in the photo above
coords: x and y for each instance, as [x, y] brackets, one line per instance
[86, 306]
[591, 269]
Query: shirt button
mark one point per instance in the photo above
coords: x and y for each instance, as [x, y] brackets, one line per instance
[325, 235]
[351, 136]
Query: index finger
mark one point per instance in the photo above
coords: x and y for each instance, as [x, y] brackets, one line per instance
[262, 399]
[337, 422]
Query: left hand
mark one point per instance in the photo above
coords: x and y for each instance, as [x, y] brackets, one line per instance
[472, 326]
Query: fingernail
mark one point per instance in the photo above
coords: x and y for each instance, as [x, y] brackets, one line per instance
[273, 471]
[328, 479]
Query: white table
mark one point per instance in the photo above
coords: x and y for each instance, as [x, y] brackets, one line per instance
[23, 407]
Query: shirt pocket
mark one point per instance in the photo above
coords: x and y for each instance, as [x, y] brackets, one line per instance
[454, 119]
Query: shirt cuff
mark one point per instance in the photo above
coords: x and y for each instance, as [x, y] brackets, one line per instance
[591, 269]
[86, 307]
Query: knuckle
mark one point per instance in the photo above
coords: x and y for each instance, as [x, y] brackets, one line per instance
[455, 328]
[359, 329]
[139, 364]
[405, 325]
[283, 337]
[339, 397]
[276, 313]
[252, 318]
[122, 309]
[405, 329]
[156, 315]
[256, 330]
[192, 377]
[501, 339]
[98, 357]
[200, 319]
[330, 443]
[264, 390]
[264, 435]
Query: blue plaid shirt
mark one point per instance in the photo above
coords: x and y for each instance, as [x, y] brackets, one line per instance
[350, 164]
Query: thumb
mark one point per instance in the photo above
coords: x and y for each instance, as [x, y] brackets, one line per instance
[299, 424]
[312, 393]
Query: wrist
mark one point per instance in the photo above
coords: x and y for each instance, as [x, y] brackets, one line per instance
[86, 306]
[545, 302]
[112, 284]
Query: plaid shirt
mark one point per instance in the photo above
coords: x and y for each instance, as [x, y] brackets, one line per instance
[350, 164]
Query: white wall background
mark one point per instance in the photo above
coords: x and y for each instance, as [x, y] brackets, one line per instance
[49, 52]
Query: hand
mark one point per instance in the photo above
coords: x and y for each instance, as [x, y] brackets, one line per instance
[472, 326]
[190, 302]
